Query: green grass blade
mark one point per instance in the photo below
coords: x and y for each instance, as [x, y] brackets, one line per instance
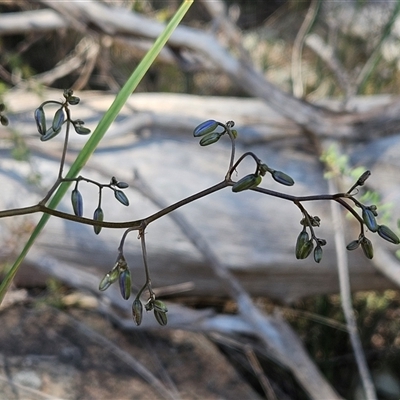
[97, 135]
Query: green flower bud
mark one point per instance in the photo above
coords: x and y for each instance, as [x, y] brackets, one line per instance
[98, 215]
[81, 130]
[353, 245]
[234, 133]
[302, 239]
[282, 178]
[385, 233]
[160, 306]
[366, 245]
[161, 317]
[247, 182]
[109, 278]
[210, 138]
[137, 311]
[58, 120]
[2, 107]
[369, 219]
[73, 100]
[121, 197]
[40, 119]
[205, 127]
[306, 250]
[77, 202]
[125, 283]
[318, 254]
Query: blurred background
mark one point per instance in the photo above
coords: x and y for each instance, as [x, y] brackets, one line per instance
[61, 341]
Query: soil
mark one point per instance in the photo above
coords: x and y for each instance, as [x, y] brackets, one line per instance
[49, 353]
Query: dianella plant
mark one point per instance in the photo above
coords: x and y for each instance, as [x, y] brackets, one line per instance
[61, 121]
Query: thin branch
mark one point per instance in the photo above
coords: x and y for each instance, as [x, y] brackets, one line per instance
[345, 292]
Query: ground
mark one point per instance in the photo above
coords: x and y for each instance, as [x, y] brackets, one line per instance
[73, 354]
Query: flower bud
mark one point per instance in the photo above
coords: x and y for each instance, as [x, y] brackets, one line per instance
[318, 254]
[210, 138]
[353, 245]
[160, 306]
[121, 197]
[73, 100]
[58, 120]
[302, 239]
[366, 245]
[125, 283]
[109, 278]
[247, 182]
[50, 134]
[81, 130]
[282, 178]
[122, 185]
[305, 250]
[77, 202]
[205, 127]
[369, 219]
[98, 215]
[361, 180]
[161, 317]
[137, 311]
[40, 119]
[385, 233]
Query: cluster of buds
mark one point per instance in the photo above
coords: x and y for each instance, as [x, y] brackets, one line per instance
[207, 130]
[251, 181]
[305, 243]
[98, 215]
[61, 116]
[121, 273]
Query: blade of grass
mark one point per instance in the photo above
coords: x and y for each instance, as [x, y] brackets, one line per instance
[97, 135]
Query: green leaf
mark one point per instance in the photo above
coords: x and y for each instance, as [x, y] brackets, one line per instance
[97, 135]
